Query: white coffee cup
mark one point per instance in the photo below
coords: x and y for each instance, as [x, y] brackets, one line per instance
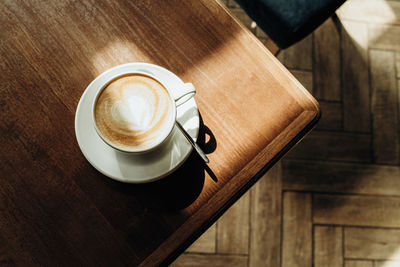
[135, 112]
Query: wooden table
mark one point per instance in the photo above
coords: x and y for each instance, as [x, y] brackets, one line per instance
[55, 208]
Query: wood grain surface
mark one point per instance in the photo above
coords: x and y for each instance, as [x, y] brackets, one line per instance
[327, 65]
[55, 208]
[382, 243]
[328, 246]
[297, 229]
[266, 204]
[356, 210]
[356, 91]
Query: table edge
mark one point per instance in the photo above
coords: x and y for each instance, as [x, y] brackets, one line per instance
[153, 259]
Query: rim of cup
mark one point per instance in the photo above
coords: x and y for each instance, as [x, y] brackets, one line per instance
[135, 151]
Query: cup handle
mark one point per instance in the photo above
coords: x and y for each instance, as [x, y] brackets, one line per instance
[186, 92]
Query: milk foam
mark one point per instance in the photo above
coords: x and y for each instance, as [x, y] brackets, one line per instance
[134, 112]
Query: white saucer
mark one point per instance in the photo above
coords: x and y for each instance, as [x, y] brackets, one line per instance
[136, 168]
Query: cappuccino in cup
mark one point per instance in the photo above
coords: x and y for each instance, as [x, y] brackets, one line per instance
[135, 112]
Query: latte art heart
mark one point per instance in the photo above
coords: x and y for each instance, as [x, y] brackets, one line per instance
[134, 112]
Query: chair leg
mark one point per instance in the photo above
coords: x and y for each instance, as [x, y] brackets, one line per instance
[274, 48]
[337, 22]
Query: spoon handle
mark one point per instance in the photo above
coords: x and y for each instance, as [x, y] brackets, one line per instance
[193, 143]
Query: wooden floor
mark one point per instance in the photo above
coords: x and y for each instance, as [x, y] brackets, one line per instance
[334, 200]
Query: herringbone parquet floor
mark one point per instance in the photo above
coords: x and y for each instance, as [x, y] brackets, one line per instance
[334, 200]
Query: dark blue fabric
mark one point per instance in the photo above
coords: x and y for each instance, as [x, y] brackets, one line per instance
[288, 21]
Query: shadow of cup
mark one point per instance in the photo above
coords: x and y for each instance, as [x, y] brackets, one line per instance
[173, 192]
